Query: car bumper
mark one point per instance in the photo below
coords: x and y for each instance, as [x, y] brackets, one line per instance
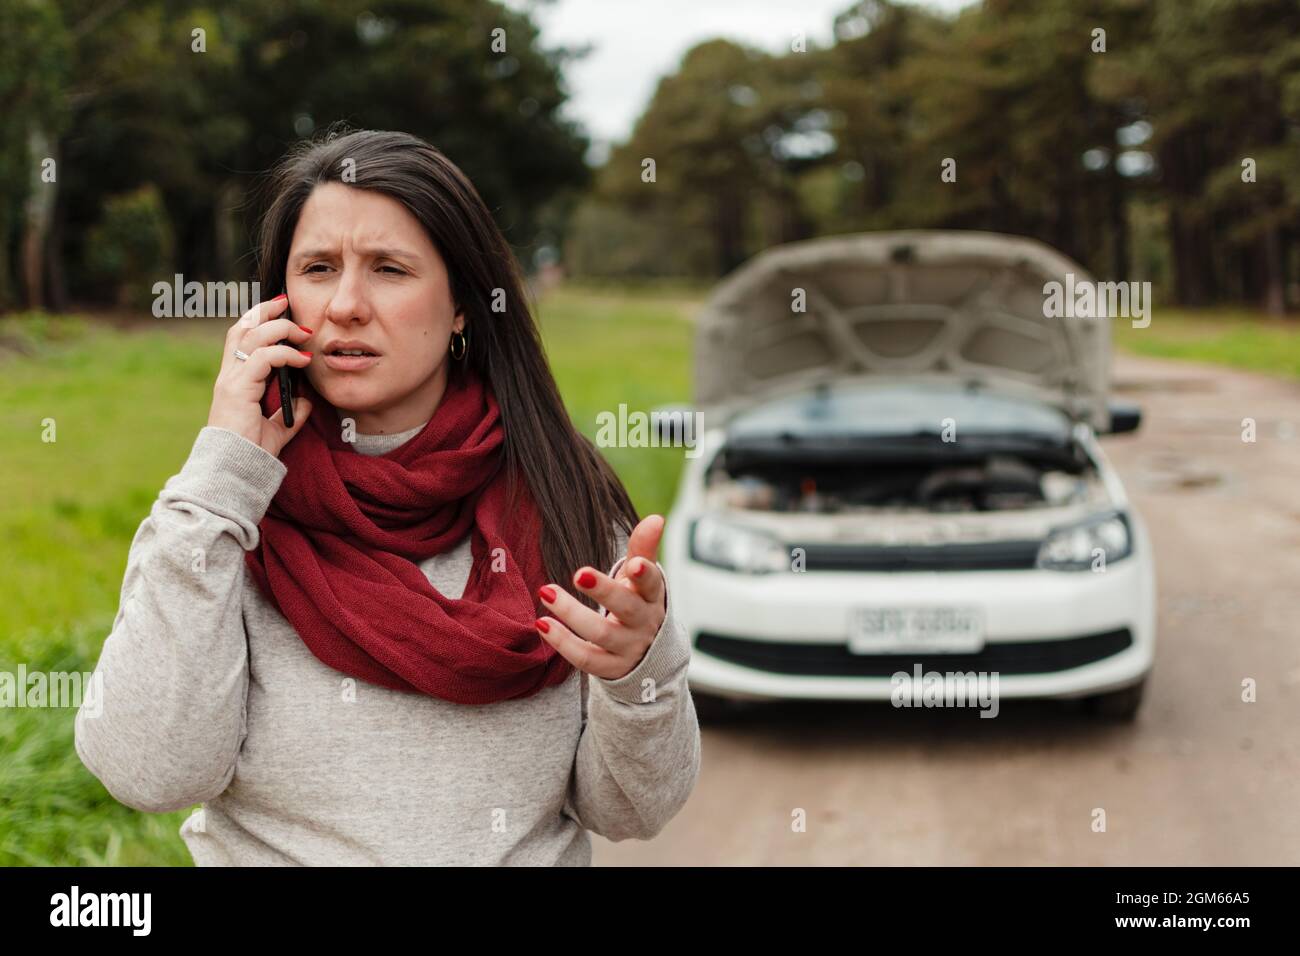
[1047, 634]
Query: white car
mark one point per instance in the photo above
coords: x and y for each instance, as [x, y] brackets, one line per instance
[898, 471]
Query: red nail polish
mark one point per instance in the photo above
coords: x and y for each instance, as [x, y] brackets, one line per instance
[640, 570]
[547, 593]
[542, 625]
[304, 328]
[303, 353]
[586, 580]
[282, 295]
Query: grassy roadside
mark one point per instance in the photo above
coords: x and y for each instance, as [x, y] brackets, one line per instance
[1232, 337]
[125, 407]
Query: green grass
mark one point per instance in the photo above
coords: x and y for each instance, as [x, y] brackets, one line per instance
[608, 347]
[1237, 338]
[125, 408]
[122, 411]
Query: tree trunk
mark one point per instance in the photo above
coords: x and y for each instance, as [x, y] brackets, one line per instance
[1274, 281]
[1193, 266]
[57, 282]
[36, 220]
[1119, 240]
[728, 233]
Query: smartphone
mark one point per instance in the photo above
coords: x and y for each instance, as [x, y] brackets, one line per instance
[285, 375]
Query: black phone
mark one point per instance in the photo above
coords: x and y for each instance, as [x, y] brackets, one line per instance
[285, 375]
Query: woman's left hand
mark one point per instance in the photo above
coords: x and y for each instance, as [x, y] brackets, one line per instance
[610, 646]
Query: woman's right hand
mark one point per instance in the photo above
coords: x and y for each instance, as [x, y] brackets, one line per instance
[237, 394]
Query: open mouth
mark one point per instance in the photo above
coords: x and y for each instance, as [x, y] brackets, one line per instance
[350, 360]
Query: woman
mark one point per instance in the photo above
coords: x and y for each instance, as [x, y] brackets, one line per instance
[382, 635]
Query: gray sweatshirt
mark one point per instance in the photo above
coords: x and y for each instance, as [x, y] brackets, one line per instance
[210, 696]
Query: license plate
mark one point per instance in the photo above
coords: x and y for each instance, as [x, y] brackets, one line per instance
[899, 630]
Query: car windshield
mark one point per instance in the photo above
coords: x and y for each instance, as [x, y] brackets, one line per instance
[899, 411]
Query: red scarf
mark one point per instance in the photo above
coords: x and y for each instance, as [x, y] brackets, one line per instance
[340, 541]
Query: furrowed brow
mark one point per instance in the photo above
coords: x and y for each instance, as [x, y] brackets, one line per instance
[389, 252]
[371, 252]
[314, 254]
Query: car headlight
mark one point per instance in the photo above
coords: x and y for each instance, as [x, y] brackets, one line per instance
[730, 546]
[1076, 548]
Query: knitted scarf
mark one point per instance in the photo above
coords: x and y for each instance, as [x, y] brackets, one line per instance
[339, 546]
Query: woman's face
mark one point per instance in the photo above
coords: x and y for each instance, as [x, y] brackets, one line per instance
[362, 268]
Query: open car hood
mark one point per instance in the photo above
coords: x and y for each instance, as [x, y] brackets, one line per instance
[966, 306]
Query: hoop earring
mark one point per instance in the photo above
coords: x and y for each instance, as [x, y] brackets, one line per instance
[464, 345]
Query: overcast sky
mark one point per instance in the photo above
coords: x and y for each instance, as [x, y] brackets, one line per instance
[638, 41]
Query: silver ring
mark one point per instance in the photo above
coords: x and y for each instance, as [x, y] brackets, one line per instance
[241, 356]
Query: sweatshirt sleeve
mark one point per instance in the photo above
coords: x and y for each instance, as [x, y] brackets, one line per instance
[639, 754]
[173, 672]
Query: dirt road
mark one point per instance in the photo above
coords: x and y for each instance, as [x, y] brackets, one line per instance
[1201, 777]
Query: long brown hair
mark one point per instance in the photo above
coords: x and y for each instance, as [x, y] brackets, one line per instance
[577, 492]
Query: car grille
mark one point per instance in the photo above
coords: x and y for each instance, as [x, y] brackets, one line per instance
[982, 556]
[835, 660]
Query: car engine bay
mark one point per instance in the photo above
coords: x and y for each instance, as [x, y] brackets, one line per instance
[992, 483]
